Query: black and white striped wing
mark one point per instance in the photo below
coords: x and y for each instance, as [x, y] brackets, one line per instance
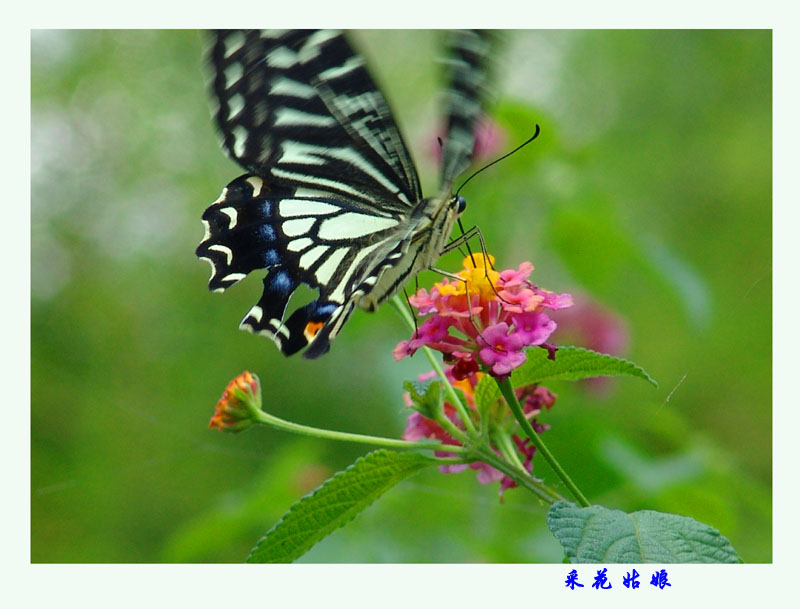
[326, 243]
[330, 189]
[466, 60]
[299, 108]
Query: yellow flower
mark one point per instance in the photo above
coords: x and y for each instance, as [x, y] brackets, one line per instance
[480, 275]
[478, 278]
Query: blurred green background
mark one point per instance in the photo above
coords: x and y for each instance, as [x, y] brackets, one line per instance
[648, 194]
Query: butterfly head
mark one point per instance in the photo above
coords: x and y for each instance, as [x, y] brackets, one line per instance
[460, 203]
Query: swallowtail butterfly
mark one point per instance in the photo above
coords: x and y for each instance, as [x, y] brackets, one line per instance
[331, 197]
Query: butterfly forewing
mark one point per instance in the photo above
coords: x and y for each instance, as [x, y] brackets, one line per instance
[300, 108]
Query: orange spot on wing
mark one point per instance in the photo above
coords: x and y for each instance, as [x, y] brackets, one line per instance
[312, 328]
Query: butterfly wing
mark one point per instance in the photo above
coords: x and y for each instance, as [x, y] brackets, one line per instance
[300, 109]
[466, 61]
[331, 191]
[327, 243]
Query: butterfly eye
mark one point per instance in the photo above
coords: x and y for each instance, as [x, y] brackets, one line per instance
[461, 204]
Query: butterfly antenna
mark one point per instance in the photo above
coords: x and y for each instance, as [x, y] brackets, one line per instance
[506, 155]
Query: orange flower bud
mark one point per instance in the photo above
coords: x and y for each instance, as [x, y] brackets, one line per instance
[240, 400]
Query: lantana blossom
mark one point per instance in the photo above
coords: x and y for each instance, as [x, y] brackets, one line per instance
[485, 318]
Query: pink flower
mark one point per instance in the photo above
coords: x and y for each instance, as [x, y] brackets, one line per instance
[485, 319]
[490, 140]
[502, 351]
[534, 328]
[510, 278]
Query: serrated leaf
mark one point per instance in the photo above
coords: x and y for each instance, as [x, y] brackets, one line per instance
[571, 364]
[596, 534]
[486, 392]
[427, 399]
[335, 503]
[416, 389]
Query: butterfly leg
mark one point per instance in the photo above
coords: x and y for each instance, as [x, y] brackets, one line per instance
[464, 238]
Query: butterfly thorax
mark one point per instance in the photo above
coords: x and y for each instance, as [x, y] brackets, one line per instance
[431, 223]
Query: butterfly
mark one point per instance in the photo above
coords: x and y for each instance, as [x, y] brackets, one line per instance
[331, 197]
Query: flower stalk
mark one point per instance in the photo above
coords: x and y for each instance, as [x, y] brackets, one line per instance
[328, 434]
[508, 393]
[398, 306]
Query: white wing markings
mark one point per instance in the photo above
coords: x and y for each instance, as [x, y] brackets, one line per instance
[352, 225]
[338, 293]
[292, 88]
[256, 313]
[281, 58]
[352, 63]
[232, 74]
[328, 268]
[279, 327]
[235, 105]
[234, 277]
[225, 250]
[299, 245]
[233, 43]
[239, 140]
[305, 154]
[303, 207]
[329, 184]
[232, 214]
[296, 228]
[286, 116]
[257, 184]
[312, 255]
[312, 46]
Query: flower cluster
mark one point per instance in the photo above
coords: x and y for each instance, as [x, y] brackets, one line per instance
[533, 399]
[240, 400]
[495, 316]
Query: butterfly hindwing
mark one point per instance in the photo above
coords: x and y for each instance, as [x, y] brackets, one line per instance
[328, 244]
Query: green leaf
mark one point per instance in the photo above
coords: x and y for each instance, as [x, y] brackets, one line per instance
[597, 534]
[427, 399]
[571, 364]
[335, 503]
[486, 393]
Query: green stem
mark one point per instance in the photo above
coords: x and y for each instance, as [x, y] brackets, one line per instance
[511, 399]
[523, 479]
[315, 432]
[507, 448]
[451, 393]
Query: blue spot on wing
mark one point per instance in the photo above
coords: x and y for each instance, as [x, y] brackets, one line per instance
[266, 232]
[270, 258]
[282, 282]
